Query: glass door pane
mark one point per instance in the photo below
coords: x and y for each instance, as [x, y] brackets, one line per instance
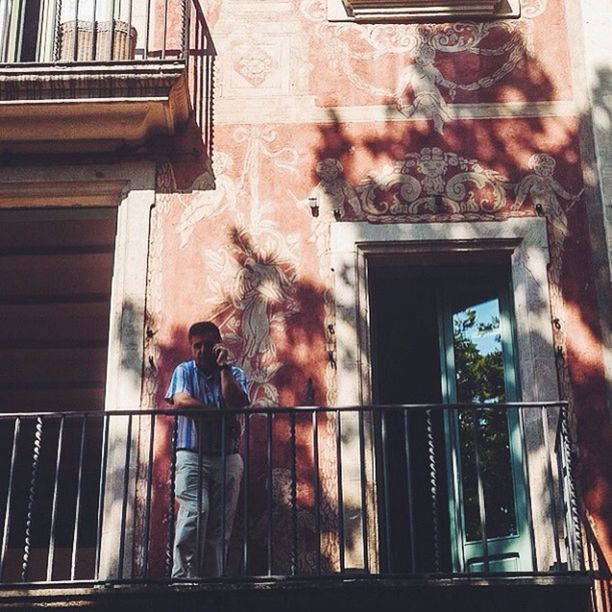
[487, 488]
[479, 378]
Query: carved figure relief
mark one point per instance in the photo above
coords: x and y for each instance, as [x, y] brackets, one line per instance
[423, 80]
[260, 286]
[544, 192]
[258, 302]
[333, 193]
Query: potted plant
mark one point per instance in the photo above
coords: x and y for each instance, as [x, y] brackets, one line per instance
[89, 31]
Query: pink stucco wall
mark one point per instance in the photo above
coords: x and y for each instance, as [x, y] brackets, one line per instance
[304, 107]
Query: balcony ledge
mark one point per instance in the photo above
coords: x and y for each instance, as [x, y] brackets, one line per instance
[503, 594]
[77, 107]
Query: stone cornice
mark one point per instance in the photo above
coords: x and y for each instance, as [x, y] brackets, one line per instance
[26, 82]
[80, 107]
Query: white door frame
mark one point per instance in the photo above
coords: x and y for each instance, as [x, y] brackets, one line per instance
[129, 186]
[525, 239]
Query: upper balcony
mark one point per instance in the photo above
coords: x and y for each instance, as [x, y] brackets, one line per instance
[99, 75]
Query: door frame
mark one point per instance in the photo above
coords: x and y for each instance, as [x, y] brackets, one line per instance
[525, 241]
[130, 187]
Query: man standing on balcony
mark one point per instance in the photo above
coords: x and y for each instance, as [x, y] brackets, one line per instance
[207, 383]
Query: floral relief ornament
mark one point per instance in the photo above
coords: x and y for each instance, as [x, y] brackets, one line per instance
[254, 64]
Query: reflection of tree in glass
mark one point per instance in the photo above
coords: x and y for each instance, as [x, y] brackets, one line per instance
[480, 378]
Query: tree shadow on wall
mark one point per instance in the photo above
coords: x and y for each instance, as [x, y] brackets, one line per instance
[485, 169]
[285, 501]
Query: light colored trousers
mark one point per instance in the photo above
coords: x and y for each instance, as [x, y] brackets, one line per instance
[212, 549]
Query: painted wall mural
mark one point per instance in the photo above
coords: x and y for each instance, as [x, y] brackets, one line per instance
[257, 304]
[426, 58]
[384, 123]
[250, 287]
[544, 191]
[432, 182]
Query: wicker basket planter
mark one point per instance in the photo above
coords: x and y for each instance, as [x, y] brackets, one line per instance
[114, 40]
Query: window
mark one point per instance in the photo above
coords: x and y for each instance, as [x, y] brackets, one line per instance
[26, 30]
[56, 267]
[85, 30]
[396, 10]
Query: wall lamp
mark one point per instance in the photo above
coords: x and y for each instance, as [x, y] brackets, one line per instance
[313, 202]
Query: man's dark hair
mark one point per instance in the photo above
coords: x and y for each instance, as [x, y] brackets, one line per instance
[203, 327]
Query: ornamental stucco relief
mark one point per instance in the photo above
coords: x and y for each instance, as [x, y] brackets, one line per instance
[333, 194]
[251, 285]
[432, 182]
[253, 63]
[422, 88]
[544, 192]
[437, 185]
[260, 56]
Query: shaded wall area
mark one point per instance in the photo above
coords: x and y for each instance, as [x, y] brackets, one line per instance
[385, 124]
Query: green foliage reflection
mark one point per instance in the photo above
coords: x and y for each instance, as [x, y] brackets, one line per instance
[479, 372]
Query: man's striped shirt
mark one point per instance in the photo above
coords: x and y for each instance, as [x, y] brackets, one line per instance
[187, 378]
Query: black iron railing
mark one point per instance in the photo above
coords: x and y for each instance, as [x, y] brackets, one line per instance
[325, 492]
[80, 32]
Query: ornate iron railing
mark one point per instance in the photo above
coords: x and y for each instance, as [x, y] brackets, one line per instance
[325, 492]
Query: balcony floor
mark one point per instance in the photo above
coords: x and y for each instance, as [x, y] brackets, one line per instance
[541, 593]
